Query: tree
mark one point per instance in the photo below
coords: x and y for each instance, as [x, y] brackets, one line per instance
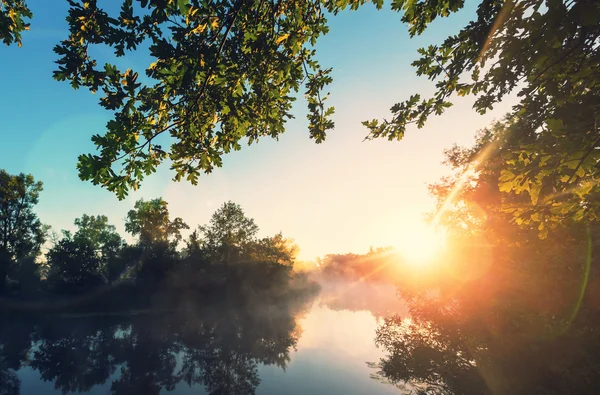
[228, 232]
[149, 220]
[105, 240]
[11, 384]
[545, 49]
[548, 52]
[276, 249]
[222, 72]
[99, 232]
[74, 264]
[21, 232]
[155, 255]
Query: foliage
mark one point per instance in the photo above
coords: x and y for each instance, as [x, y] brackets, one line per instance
[228, 232]
[156, 261]
[21, 232]
[95, 254]
[11, 384]
[556, 170]
[27, 274]
[277, 249]
[106, 242]
[548, 188]
[74, 265]
[149, 220]
[227, 72]
[99, 232]
[222, 73]
[545, 50]
[13, 16]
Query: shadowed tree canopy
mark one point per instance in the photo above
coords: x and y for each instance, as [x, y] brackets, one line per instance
[277, 249]
[97, 230]
[21, 232]
[107, 243]
[150, 221]
[74, 264]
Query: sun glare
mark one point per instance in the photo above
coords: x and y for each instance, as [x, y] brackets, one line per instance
[421, 245]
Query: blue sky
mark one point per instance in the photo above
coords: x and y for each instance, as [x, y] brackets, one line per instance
[341, 196]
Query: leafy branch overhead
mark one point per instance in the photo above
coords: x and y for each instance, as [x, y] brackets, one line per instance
[545, 51]
[13, 17]
[226, 72]
[223, 72]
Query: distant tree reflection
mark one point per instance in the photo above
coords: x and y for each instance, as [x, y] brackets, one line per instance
[218, 346]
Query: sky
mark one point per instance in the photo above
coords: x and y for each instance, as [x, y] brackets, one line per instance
[343, 195]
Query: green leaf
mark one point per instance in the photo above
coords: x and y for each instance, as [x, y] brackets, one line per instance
[184, 6]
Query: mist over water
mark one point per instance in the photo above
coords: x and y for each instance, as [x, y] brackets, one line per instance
[309, 342]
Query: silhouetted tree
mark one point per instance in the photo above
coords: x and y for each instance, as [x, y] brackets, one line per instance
[74, 264]
[105, 240]
[158, 237]
[21, 232]
[276, 249]
[11, 385]
[149, 220]
[227, 233]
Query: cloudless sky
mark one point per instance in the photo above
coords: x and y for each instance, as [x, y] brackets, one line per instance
[340, 196]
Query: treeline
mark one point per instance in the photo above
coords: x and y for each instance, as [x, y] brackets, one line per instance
[377, 265]
[95, 256]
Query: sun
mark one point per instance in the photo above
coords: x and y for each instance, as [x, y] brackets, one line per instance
[420, 244]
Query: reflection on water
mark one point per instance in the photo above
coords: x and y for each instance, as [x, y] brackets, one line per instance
[295, 346]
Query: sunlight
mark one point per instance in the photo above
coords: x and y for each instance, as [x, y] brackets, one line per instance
[421, 244]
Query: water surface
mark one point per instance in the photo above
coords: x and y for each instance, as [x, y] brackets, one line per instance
[317, 346]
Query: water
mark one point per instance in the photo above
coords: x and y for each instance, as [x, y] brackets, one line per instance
[316, 346]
